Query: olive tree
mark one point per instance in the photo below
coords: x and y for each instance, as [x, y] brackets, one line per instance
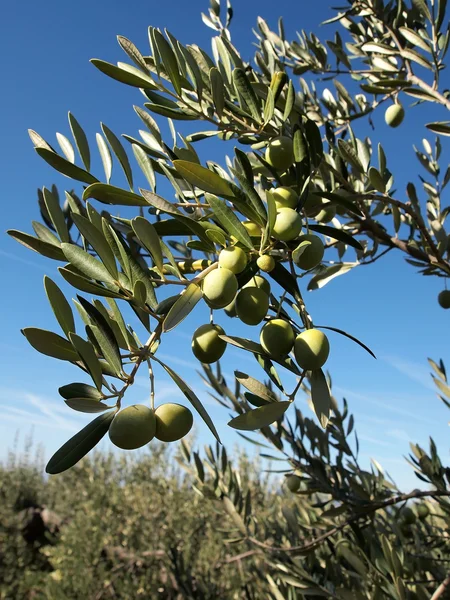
[299, 200]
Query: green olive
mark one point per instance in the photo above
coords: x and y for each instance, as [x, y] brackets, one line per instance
[277, 338]
[133, 427]
[444, 299]
[252, 304]
[233, 258]
[394, 115]
[284, 197]
[173, 422]
[266, 263]
[288, 225]
[259, 282]
[311, 349]
[220, 287]
[312, 254]
[207, 346]
[280, 153]
[293, 483]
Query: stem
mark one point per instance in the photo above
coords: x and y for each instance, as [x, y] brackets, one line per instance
[152, 384]
[441, 589]
[370, 509]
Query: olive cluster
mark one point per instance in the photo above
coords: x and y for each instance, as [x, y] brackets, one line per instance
[136, 425]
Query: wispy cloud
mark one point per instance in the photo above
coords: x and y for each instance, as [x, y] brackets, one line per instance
[372, 440]
[415, 371]
[23, 260]
[399, 434]
[391, 407]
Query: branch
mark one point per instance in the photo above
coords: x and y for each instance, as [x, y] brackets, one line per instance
[441, 589]
[367, 510]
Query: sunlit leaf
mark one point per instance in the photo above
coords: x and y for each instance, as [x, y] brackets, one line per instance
[260, 417]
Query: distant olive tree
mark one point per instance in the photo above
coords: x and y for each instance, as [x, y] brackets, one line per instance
[302, 200]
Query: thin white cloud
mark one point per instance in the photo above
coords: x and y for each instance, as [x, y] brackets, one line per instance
[23, 260]
[371, 440]
[399, 434]
[410, 414]
[415, 371]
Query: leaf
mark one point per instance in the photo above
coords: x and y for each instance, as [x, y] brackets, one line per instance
[119, 151]
[133, 78]
[260, 417]
[282, 276]
[348, 154]
[245, 90]
[109, 194]
[192, 398]
[109, 347]
[66, 147]
[442, 127]
[203, 178]
[312, 133]
[81, 141]
[217, 90]
[130, 49]
[290, 101]
[60, 306]
[182, 307]
[97, 240]
[376, 180]
[320, 396]
[255, 386]
[337, 234]
[160, 203]
[351, 337]
[328, 273]
[146, 233]
[79, 390]
[414, 38]
[87, 354]
[56, 214]
[85, 285]
[229, 220]
[50, 344]
[145, 164]
[169, 60]
[65, 167]
[87, 264]
[86, 405]
[39, 246]
[80, 444]
[105, 155]
[255, 348]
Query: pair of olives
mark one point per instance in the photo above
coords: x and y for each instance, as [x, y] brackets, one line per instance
[277, 338]
[135, 426]
[311, 347]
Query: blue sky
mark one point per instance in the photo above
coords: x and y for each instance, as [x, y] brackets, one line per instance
[387, 305]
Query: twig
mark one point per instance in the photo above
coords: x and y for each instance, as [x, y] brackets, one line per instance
[367, 510]
[441, 589]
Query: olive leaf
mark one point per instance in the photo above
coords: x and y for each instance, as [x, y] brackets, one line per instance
[134, 78]
[80, 444]
[182, 306]
[260, 417]
[320, 396]
[229, 220]
[87, 264]
[65, 167]
[37, 245]
[203, 178]
[51, 344]
[109, 194]
[86, 405]
[191, 397]
[60, 306]
[80, 390]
